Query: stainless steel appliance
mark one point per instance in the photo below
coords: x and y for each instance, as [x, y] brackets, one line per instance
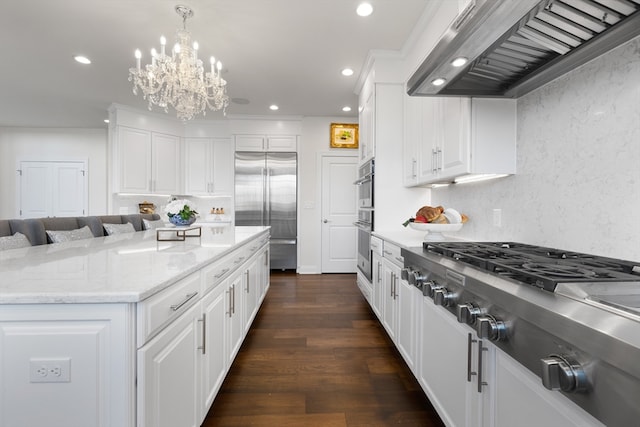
[365, 185]
[365, 227]
[266, 194]
[514, 47]
[572, 319]
[365, 193]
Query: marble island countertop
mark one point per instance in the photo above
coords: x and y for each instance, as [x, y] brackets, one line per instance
[408, 237]
[121, 268]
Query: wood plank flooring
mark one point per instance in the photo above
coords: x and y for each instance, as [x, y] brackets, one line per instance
[317, 356]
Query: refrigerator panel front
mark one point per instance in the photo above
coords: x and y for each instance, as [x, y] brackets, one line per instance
[281, 211]
[250, 189]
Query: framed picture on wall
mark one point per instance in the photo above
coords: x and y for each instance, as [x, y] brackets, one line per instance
[344, 135]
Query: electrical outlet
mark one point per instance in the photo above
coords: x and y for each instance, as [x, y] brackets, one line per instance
[497, 217]
[50, 370]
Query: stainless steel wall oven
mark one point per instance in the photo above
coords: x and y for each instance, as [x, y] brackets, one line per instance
[365, 216]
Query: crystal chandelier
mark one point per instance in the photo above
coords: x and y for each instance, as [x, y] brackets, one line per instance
[179, 79]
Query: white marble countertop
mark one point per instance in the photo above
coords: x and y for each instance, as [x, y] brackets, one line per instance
[407, 237]
[121, 268]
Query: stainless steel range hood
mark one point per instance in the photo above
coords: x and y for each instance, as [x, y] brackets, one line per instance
[516, 46]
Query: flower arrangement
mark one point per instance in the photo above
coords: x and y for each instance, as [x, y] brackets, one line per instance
[181, 208]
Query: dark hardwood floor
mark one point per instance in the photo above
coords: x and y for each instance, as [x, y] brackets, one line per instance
[317, 356]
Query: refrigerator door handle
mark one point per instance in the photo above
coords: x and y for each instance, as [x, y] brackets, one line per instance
[265, 194]
[267, 199]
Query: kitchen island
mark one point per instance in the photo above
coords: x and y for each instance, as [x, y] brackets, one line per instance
[125, 330]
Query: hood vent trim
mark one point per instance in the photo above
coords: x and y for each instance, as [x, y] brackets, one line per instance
[516, 49]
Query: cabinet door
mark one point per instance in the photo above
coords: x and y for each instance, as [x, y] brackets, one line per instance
[165, 168]
[168, 375]
[443, 366]
[282, 143]
[134, 146]
[223, 167]
[412, 124]
[377, 278]
[250, 288]
[366, 128]
[428, 145]
[197, 166]
[233, 309]
[214, 348]
[455, 141]
[250, 143]
[390, 295]
[522, 400]
[407, 294]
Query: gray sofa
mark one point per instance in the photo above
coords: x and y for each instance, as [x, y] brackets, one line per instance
[35, 228]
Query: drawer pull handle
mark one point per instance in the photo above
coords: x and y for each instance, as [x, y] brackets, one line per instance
[239, 260]
[189, 297]
[222, 273]
[400, 259]
[203, 347]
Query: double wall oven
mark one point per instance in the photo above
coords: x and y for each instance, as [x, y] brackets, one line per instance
[364, 223]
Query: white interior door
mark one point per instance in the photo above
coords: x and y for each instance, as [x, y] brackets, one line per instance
[50, 188]
[339, 212]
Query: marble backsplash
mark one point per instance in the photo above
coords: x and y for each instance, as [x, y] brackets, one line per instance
[578, 180]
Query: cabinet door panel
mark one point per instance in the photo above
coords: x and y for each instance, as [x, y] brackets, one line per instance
[214, 365]
[135, 159]
[455, 122]
[250, 143]
[281, 143]
[168, 375]
[165, 154]
[197, 165]
[427, 147]
[522, 400]
[223, 166]
[443, 363]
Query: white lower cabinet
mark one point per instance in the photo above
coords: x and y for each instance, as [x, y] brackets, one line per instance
[390, 279]
[181, 369]
[406, 334]
[522, 400]
[168, 375]
[449, 370]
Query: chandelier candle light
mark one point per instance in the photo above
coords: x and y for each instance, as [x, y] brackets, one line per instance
[179, 79]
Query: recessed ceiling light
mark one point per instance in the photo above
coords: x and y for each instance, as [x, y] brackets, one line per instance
[273, 107]
[346, 109]
[364, 9]
[106, 120]
[347, 72]
[459, 62]
[82, 59]
[438, 82]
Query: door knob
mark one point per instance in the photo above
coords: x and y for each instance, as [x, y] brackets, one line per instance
[325, 221]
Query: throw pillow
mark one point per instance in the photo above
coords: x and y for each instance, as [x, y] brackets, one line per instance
[59, 236]
[148, 224]
[112, 229]
[18, 240]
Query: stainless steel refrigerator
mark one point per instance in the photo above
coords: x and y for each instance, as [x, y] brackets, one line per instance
[266, 194]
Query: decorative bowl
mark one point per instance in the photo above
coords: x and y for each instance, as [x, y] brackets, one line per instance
[434, 231]
[179, 222]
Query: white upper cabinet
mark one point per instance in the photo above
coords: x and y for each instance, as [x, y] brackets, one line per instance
[266, 143]
[208, 166]
[449, 137]
[366, 139]
[149, 161]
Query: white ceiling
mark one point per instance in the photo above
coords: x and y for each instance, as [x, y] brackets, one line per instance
[287, 52]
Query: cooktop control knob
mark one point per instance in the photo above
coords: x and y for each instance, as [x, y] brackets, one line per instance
[405, 273]
[430, 288]
[563, 373]
[488, 327]
[442, 296]
[467, 313]
[416, 278]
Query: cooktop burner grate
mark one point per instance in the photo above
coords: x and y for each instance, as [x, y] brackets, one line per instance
[536, 265]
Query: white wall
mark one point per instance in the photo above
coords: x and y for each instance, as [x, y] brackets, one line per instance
[314, 141]
[578, 168]
[53, 144]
